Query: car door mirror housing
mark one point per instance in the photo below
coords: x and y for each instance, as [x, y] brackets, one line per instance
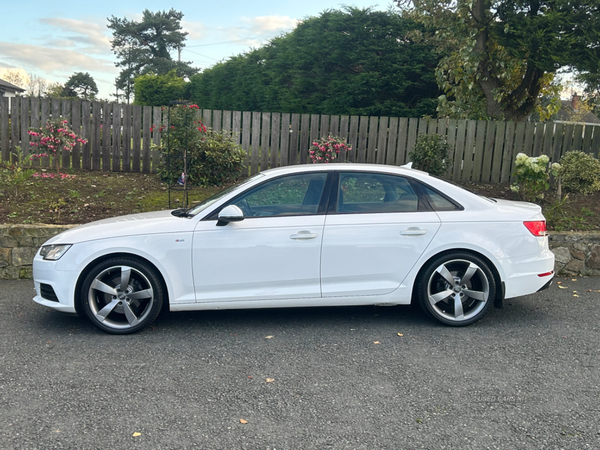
[230, 213]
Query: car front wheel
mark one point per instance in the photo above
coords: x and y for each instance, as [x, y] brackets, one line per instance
[122, 295]
[456, 289]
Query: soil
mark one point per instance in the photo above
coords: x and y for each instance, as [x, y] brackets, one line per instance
[81, 196]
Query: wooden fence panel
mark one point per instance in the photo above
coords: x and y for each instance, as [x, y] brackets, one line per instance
[14, 126]
[284, 152]
[207, 118]
[568, 138]
[35, 123]
[116, 138]
[96, 134]
[105, 133]
[264, 141]
[136, 137]
[66, 115]
[469, 151]
[413, 125]
[498, 149]
[126, 149]
[578, 137]
[587, 139]
[24, 125]
[363, 133]
[518, 146]
[236, 126]
[479, 150]
[507, 156]
[595, 150]
[147, 123]
[529, 135]
[539, 138]
[156, 137]
[344, 134]
[294, 139]
[246, 136]
[304, 138]
[75, 123]
[255, 156]
[390, 157]
[372, 139]
[314, 130]
[558, 140]
[382, 140]
[488, 152]
[216, 121]
[4, 129]
[451, 139]
[459, 152]
[401, 153]
[353, 139]
[275, 133]
[548, 138]
[324, 126]
[227, 121]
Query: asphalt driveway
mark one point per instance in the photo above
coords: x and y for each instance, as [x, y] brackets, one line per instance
[525, 377]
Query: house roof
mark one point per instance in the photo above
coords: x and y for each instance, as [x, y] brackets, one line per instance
[569, 106]
[4, 85]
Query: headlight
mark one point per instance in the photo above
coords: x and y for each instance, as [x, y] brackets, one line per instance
[54, 252]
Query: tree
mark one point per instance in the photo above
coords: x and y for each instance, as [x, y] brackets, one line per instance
[501, 55]
[55, 90]
[349, 61]
[144, 47]
[18, 77]
[158, 90]
[81, 85]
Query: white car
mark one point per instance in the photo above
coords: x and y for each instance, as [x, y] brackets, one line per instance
[310, 235]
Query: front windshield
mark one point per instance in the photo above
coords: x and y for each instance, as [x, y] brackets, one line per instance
[214, 198]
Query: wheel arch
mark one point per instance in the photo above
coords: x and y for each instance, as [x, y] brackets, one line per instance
[84, 273]
[499, 298]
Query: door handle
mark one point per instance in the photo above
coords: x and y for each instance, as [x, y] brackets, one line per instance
[303, 235]
[413, 231]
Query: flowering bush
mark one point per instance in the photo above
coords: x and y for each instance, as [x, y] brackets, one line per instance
[532, 176]
[54, 138]
[326, 149]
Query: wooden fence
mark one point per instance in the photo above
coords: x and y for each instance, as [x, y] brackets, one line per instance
[483, 151]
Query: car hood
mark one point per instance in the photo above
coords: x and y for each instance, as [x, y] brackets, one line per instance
[130, 225]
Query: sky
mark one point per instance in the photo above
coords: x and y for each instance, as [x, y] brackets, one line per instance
[54, 40]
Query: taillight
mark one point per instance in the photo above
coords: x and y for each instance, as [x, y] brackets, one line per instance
[536, 227]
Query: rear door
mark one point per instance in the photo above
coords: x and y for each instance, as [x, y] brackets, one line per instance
[377, 229]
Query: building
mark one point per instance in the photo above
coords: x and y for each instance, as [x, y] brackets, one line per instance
[9, 90]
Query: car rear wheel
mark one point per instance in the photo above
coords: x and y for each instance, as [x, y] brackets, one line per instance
[122, 295]
[456, 289]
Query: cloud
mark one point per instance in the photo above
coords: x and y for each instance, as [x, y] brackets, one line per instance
[81, 33]
[270, 24]
[196, 31]
[52, 59]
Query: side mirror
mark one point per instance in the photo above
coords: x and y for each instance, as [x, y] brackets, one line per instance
[230, 213]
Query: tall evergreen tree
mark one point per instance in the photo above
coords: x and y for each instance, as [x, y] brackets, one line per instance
[146, 46]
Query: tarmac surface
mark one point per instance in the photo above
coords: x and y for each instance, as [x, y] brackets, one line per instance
[524, 377]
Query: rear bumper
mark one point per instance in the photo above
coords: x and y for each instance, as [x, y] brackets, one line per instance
[528, 275]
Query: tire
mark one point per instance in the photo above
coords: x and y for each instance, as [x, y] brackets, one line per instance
[116, 310]
[456, 289]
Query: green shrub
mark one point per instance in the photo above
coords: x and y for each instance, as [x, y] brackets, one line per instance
[213, 158]
[579, 173]
[431, 154]
[532, 175]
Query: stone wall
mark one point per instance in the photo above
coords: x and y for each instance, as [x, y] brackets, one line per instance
[18, 246]
[576, 253]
